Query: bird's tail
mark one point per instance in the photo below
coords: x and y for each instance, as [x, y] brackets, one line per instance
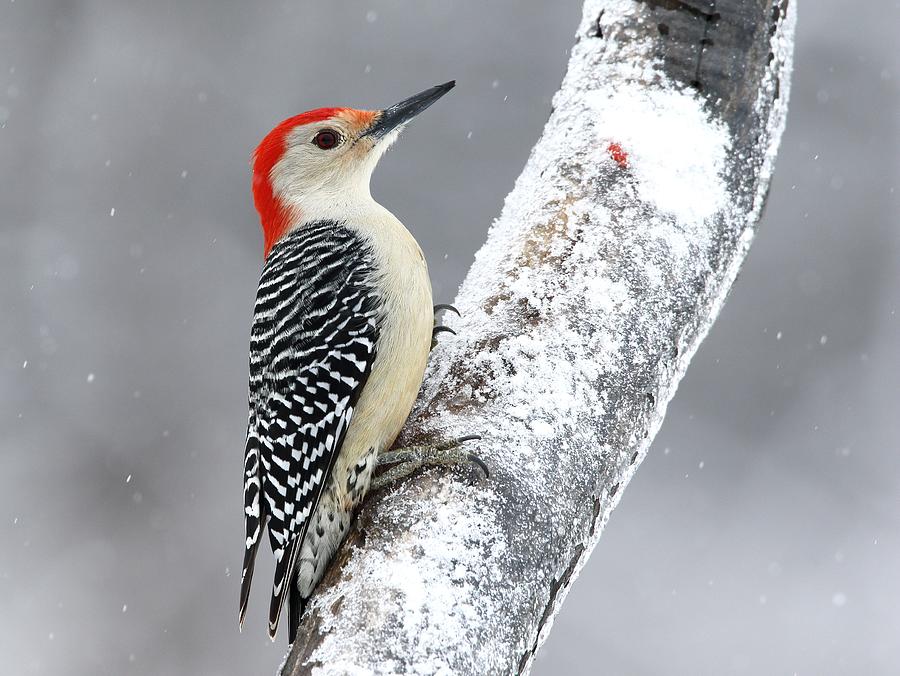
[254, 517]
[296, 604]
[284, 578]
[246, 579]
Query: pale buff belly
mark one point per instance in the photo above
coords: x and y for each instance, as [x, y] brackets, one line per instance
[388, 396]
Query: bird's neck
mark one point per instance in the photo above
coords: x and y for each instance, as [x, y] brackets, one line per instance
[354, 207]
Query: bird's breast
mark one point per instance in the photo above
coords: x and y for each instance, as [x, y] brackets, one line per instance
[404, 341]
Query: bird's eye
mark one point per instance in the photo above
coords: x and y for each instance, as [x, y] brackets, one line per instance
[326, 139]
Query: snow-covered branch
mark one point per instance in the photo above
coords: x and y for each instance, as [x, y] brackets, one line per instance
[610, 260]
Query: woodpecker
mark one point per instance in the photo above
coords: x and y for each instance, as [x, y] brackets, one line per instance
[342, 328]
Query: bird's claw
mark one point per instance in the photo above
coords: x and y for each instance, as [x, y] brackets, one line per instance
[482, 465]
[455, 443]
[439, 329]
[446, 306]
[474, 459]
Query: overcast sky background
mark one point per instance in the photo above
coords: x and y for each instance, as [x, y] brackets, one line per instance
[760, 536]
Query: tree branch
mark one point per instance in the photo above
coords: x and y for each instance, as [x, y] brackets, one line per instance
[613, 255]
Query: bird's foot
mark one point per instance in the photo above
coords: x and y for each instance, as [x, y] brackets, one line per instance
[404, 461]
[440, 328]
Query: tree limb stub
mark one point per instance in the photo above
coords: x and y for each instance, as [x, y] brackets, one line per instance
[612, 256]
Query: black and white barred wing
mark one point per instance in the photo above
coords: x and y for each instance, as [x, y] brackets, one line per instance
[312, 347]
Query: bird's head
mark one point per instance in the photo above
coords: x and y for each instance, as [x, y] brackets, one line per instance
[317, 165]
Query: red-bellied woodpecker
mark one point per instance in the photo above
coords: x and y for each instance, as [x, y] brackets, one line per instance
[341, 333]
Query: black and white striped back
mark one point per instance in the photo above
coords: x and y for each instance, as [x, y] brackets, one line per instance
[312, 345]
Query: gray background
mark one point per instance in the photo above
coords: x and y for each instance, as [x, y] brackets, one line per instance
[761, 534]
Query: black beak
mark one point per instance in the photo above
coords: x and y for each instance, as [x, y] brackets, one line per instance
[401, 113]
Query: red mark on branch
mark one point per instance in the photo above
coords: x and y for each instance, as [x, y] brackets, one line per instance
[619, 155]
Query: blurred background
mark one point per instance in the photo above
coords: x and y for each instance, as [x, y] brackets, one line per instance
[760, 536]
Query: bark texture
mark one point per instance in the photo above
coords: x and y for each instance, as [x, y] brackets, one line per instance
[612, 257]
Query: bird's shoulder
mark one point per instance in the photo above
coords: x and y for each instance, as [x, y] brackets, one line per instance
[317, 304]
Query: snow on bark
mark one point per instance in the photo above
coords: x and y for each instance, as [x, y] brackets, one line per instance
[611, 258]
